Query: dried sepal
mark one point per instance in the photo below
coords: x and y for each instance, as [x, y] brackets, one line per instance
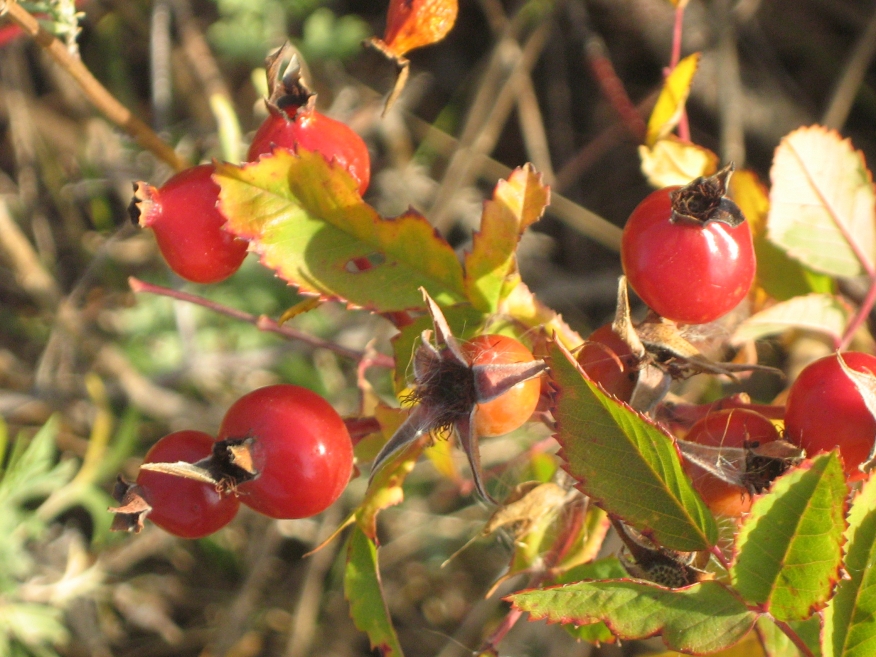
[704, 199]
[132, 509]
[447, 389]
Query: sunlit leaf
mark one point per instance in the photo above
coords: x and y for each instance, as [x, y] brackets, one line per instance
[608, 568]
[416, 23]
[850, 618]
[305, 219]
[671, 162]
[777, 275]
[750, 646]
[670, 104]
[822, 203]
[363, 590]
[789, 547]
[699, 619]
[625, 462]
[778, 644]
[491, 266]
[822, 313]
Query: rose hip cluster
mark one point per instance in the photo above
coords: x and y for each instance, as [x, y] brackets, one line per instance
[688, 253]
[183, 213]
[281, 450]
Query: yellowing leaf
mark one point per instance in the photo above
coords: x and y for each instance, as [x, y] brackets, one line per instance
[491, 267]
[305, 218]
[823, 313]
[822, 203]
[674, 162]
[778, 276]
[416, 23]
[670, 104]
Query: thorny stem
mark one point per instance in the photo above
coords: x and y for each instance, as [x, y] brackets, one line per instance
[262, 322]
[99, 96]
[716, 552]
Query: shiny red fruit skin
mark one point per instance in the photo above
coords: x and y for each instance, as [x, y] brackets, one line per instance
[301, 450]
[189, 227]
[825, 410]
[511, 410]
[315, 132]
[183, 507]
[609, 362]
[728, 428]
[685, 271]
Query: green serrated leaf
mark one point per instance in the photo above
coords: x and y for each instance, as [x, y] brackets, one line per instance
[625, 462]
[699, 619]
[822, 313]
[822, 203]
[305, 218]
[789, 547]
[363, 590]
[850, 618]
[491, 266]
[782, 277]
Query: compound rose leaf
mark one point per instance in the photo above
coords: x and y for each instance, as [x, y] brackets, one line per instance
[698, 619]
[822, 203]
[789, 548]
[491, 266]
[305, 219]
[848, 619]
[625, 462]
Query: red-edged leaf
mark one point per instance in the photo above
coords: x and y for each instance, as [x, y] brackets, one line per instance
[416, 23]
[698, 619]
[625, 462]
[789, 547]
[363, 590]
[305, 218]
[849, 628]
[822, 203]
[491, 267]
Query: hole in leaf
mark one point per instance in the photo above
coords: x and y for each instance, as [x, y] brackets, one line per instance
[364, 263]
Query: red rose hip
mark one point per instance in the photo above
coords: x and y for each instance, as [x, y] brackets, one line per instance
[188, 226]
[826, 410]
[180, 506]
[688, 252]
[300, 451]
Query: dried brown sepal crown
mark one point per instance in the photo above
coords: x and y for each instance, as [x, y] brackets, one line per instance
[704, 199]
[229, 465]
[287, 88]
[447, 388]
[753, 467]
[132, 509]
[645, 560]
[663, 354]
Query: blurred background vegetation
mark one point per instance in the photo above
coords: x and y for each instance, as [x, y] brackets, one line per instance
[91, 376]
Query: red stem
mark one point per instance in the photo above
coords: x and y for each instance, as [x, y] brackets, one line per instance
[613, 88]
[860, 317]
[675, 57]
[261, 322]
[794, 637]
